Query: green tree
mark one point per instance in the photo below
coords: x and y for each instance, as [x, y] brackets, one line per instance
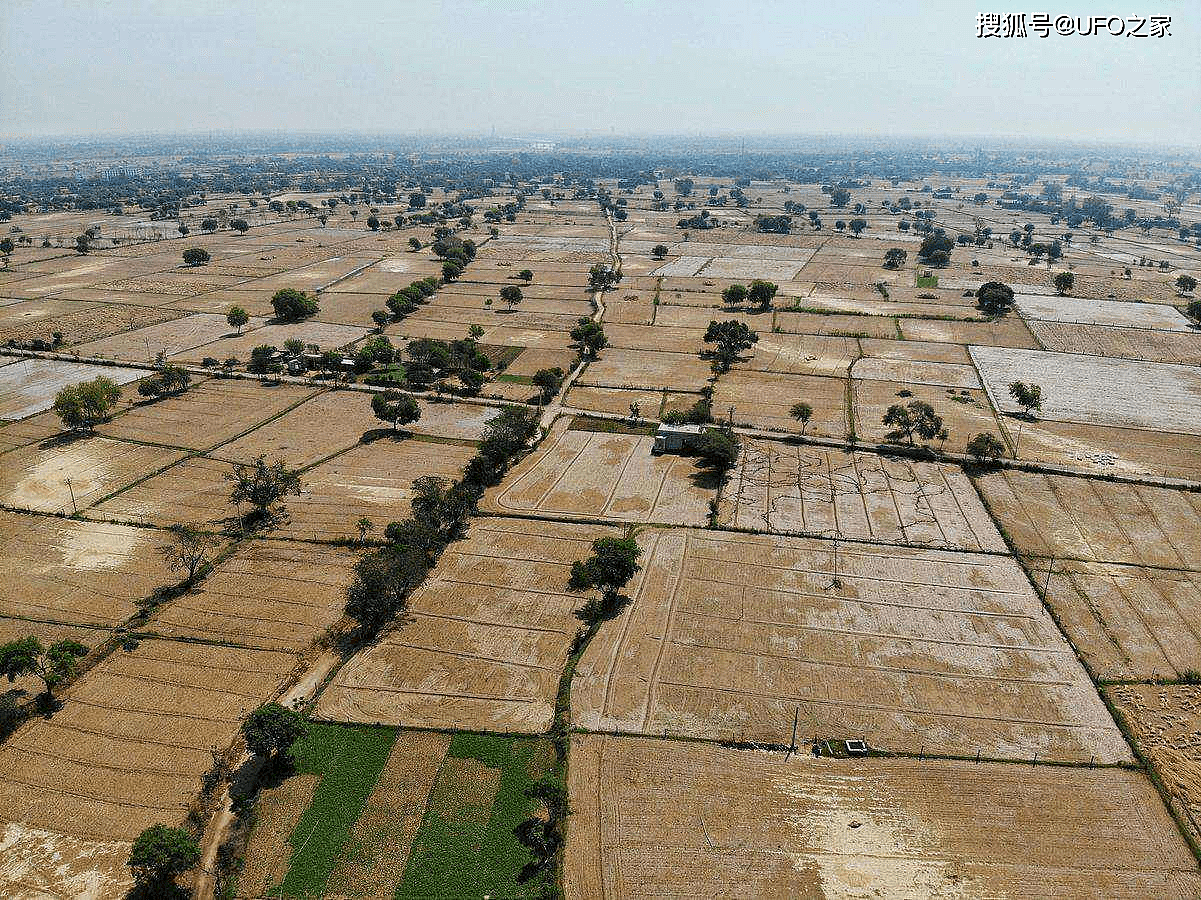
[415, 243]
[526, 275]
[729, 339]
[381, 317]
[614, 561]
[451, 270]
[761, 293]
[159, 855]
[190, 550]
[54, 664]
[1184, 283]
[718, 449]
[291, 305]
[802, 412]
[263, 485]
[1064, 282]
[857, 226]
[1028, 396]
[271, 730]
[209, 225]
[395, 408]
[548, 382]
[511, 294]
[839, 197]
[83, 406]
[985, 448]
[379, 590]
[994, 298]
[916, 417]
[241, 226]
[601, 277]
[935, 249]
[590, 336]
[6, 248]
[1194, 310]
[734, 295]
[83, 244]
[237, 318]
[659, 251]
[894, 258]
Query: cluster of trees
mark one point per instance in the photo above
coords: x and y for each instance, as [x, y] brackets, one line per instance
[602, 277]
[894, 258]
[589, 337]
[936, 249]
[196, 256]
[455, 252]
[773, 224]
[994, 298]
[406, 300]
[760, 293]
[384, 578]
[170, 380]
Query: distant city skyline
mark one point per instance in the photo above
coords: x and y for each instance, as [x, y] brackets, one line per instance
[872, 69]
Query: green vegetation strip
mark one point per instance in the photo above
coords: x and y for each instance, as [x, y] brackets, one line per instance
[349, 759]
[466, 846]
[927, 281]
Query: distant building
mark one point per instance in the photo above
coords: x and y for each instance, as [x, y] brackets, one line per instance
[543, 145]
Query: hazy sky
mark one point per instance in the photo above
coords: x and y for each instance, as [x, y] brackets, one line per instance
[660, 66]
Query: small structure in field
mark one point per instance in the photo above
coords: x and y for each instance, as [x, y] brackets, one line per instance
[674, 438]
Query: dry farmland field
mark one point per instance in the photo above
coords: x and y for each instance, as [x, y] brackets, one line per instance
[655, 818]
[586, 474]
[735, 637]
[485, 639]
[795, 488]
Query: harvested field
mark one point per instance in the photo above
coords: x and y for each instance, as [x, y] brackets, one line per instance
[327, 336]
[1165, 723]
[171, 338]
[533, 359]
[582, 474]
[28, 386]
[917, 351]
[916, 372]
[1131, 451]
[373, 481]
[833, 324]
[194, 491]
[71, 475]
[643, 369]
[84, 573]
[689, 341]
[76, 322]
[656, 818]
[1007, 332]
[613, 400]
[39, 863]
[271, 595]
[1081, 311]
[128, 748]
[208, 414]
[801, 354]
[486, 639]
[1127, 622]
[735, 636]
[1095, 390]
[1095, 521]
[1178, 347]
[965, 412]
[763, 400]
[787, 488]
[276, 812]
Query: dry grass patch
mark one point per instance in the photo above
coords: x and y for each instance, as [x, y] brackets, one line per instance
[763, 400]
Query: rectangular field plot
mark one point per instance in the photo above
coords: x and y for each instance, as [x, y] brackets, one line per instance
[1101, 312]
[1127, 622]
[194, 491]
[324, 335]
[85, 573]
[657, 818]
[205, 415]
[1179, 347]
[1104, 449]
[787, 488]
[1096, 521]
[965, 412]
[271, 595]
[373, 481]
[620, 368]
[937, 374]
[129, 746]
[75, 321]
[763, 400]
[605, 476]
[171, 338]
[28, 386]
[486, 637]
[1095, 390]
[733, 636]
[63, 477]
[1164, 720]
[801, 354]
